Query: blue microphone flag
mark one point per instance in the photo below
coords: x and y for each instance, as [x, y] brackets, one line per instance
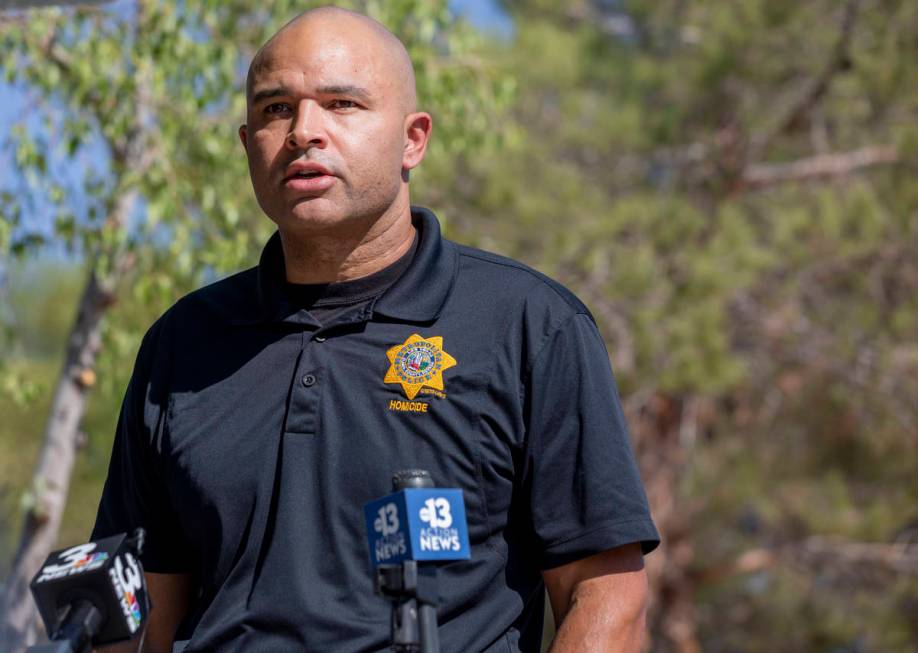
[417, 524]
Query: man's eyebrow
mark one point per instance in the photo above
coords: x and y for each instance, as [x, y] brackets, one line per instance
[335, 89]
[345, 89]
[264, 94]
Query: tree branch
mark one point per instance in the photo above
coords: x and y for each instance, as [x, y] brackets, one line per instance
[839, 164]
[815, 88]
[899, 557]
[896, 557]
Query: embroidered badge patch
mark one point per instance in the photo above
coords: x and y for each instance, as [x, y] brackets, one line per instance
[418, 363]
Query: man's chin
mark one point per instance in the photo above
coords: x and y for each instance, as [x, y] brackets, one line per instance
[312, 214]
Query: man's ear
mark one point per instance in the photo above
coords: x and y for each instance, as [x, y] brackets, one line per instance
[417, 134]
[244, 136]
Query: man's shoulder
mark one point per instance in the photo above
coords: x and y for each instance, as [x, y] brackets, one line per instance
[229, 299]
[197, 318]
[213, 306]
[508, 279]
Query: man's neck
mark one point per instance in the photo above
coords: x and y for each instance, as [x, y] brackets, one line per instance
[344, 254]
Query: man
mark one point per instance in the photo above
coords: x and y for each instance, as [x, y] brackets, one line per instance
[266, 409]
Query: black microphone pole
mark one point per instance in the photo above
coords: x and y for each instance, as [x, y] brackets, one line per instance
[75, 634]
[412, 587]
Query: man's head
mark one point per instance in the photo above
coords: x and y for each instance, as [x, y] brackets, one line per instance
[331, 124]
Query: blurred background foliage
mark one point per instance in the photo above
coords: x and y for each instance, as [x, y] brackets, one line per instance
[730, 187]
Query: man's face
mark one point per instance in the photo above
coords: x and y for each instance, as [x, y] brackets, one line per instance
[326, 132]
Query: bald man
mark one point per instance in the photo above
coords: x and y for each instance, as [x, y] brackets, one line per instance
[266, 409]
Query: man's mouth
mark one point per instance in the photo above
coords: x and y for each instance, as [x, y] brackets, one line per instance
[309, 180]
[301, 171]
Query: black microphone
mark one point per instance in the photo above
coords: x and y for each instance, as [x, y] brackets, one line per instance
[409, 531]
[428, 636]
[92, 594]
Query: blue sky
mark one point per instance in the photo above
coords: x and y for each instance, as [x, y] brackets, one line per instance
[483, 13]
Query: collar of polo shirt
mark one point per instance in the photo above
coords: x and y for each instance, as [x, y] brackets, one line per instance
[417, 296]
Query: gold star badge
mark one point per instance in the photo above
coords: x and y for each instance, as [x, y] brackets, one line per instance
[418, 363]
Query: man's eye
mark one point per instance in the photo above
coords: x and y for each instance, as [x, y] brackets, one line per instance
[343, 104]
[277, 107]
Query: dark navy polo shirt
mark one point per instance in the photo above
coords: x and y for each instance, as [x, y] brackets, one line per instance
[250, 438]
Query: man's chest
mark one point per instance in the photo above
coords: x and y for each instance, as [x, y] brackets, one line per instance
[331, 418]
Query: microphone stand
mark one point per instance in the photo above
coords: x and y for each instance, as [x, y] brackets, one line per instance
[412, 588]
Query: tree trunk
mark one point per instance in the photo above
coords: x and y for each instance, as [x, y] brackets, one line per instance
[55, 465]
[664, 430]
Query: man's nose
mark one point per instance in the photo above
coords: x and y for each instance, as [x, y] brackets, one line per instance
[306, 130]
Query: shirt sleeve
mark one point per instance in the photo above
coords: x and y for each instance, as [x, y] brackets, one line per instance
[585, 491]
[135, 494]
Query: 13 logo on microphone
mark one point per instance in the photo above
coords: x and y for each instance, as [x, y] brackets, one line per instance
[392, 543]
[436, 513]
[387, 522]
[438, 536]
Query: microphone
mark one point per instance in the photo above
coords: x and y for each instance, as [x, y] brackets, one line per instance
[417, 523]
[92, 594]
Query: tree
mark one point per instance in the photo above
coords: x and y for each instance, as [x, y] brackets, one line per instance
[157, 88]
[727, 186]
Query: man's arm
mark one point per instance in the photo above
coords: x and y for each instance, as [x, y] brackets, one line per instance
[171, 596]
[599, 602]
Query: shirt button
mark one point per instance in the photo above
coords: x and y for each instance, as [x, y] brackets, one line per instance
[319, 338]
[309, 380]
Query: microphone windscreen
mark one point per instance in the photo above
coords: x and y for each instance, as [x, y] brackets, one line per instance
[409, 478]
